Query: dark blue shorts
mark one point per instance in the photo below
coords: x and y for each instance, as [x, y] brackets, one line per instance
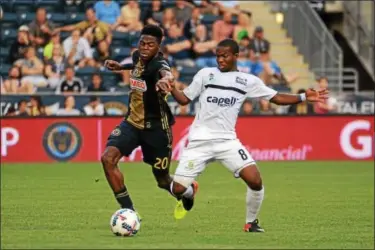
[156, 143]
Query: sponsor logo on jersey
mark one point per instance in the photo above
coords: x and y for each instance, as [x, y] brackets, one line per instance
[222, 102]
[242, 81]
[138, 84]
[62, 141]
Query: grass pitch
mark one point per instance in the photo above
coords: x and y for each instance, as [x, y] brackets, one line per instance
[307, 205]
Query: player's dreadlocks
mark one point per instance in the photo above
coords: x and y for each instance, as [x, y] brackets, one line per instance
[153, 30]
[232, 44]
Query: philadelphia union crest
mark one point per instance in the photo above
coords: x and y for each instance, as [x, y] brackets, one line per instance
[62, 141]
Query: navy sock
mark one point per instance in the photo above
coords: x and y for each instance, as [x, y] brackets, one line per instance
[123, 198]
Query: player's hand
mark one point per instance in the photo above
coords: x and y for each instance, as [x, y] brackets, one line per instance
[313, 95]
[112, 65]
[165, 85]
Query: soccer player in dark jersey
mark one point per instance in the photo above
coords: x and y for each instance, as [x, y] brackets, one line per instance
[148, 121]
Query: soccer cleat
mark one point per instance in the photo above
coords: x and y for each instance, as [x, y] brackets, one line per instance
[179, 211]
[253, 227]
[189, 202]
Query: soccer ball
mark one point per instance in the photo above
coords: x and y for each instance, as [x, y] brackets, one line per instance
[125, 222]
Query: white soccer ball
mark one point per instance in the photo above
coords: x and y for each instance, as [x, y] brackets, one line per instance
[125, 222]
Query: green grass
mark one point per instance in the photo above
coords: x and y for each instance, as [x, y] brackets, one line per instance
[307, 205]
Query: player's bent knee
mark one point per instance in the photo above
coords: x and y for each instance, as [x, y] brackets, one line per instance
[183, 181]
[178, 188]
[110, 157]
[251, 176]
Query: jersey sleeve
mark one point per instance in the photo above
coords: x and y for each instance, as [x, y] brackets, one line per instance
[195, 87]
[259, 90]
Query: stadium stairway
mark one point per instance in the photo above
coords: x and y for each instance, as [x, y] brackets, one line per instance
[282, 49]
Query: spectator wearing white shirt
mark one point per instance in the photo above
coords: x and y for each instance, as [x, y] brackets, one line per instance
[77, 50]
[70, 83]
[68, 109]
[94, 107]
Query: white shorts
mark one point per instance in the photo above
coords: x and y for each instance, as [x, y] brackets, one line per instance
[231, 153]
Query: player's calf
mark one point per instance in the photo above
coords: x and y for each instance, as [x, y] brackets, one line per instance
[110, 159]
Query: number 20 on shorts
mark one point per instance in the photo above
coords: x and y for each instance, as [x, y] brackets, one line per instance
[161, 163]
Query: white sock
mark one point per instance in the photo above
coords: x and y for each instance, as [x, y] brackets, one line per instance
[253, 202]
[188, 193]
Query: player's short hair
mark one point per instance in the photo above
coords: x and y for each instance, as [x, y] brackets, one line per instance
[153, 30]
[232, 44]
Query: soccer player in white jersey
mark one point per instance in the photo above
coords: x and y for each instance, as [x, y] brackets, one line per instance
[212, 136]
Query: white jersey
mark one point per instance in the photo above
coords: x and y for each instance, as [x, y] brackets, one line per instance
[221, 97]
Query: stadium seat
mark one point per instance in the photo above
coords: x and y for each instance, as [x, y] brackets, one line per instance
[119, 53]
[4, 68]
[58, 18]
[9, 21]
[49, 5]
[23, 6]
[124, 39]
[25, 18]
[73, 18]
[89, 3]
[64, 35]
[189, 70]
[6, 5]
[8, 36]
[281, 88]
[85, 74]
[45, 90]
[109, 78]
[209, 19]
[4, 53]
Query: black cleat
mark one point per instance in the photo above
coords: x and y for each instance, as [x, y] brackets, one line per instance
[188, 203]
[253, 227]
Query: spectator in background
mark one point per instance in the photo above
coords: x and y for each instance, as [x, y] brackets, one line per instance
[329, 104]
[94, 107]
[14, 85]
[183, 11]
[96, 84]
[102, 53]
[191, 25]
[154, 13]
[41, 29]
[169, 18]
[36, 107]
[178, 47]
[270, 72]
[69, 107]
[303, 108]
[244, 64]
[130, 19]
[19, 46]
[22, 108]
[204, 48]
[107, 11]
[228, 6]
[55, 67]
[247, 107]
[11, 111]
[245, 42]
[244, 28]
[77, 50]
[223, 28]
[259, 43]
[92, 29]
[207, 7]
[70, 83]
[32, 68]
[55, 41]
[265, 107]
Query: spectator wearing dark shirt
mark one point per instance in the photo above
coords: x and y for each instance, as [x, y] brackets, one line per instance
[96, 84]
[178, 47]
[204, 48]
[41, 29]
[22, 108]
[191, 25]
[19, 46]
[153, 13]
[259, 43]
[70, 83]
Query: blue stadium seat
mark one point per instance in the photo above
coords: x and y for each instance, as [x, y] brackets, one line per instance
[119, 53]
[6, 5]
[9, 20]
[124, 39]
[189, 70]
[45, 90]
[25, 18]
[281, 88]
[64, 35]
[73, 18]
[4, 53]
[49, 5]
[209, 19]
[23, 6]
[4, 68]
[89, 3]
[85, 74]
[58, 18]
[109, 78]
[8, 36]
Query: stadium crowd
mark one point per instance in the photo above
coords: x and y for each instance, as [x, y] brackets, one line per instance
[61, 47]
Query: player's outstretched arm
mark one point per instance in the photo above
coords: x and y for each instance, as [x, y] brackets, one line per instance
[311, 95]
[167, 85]
[116, 66]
